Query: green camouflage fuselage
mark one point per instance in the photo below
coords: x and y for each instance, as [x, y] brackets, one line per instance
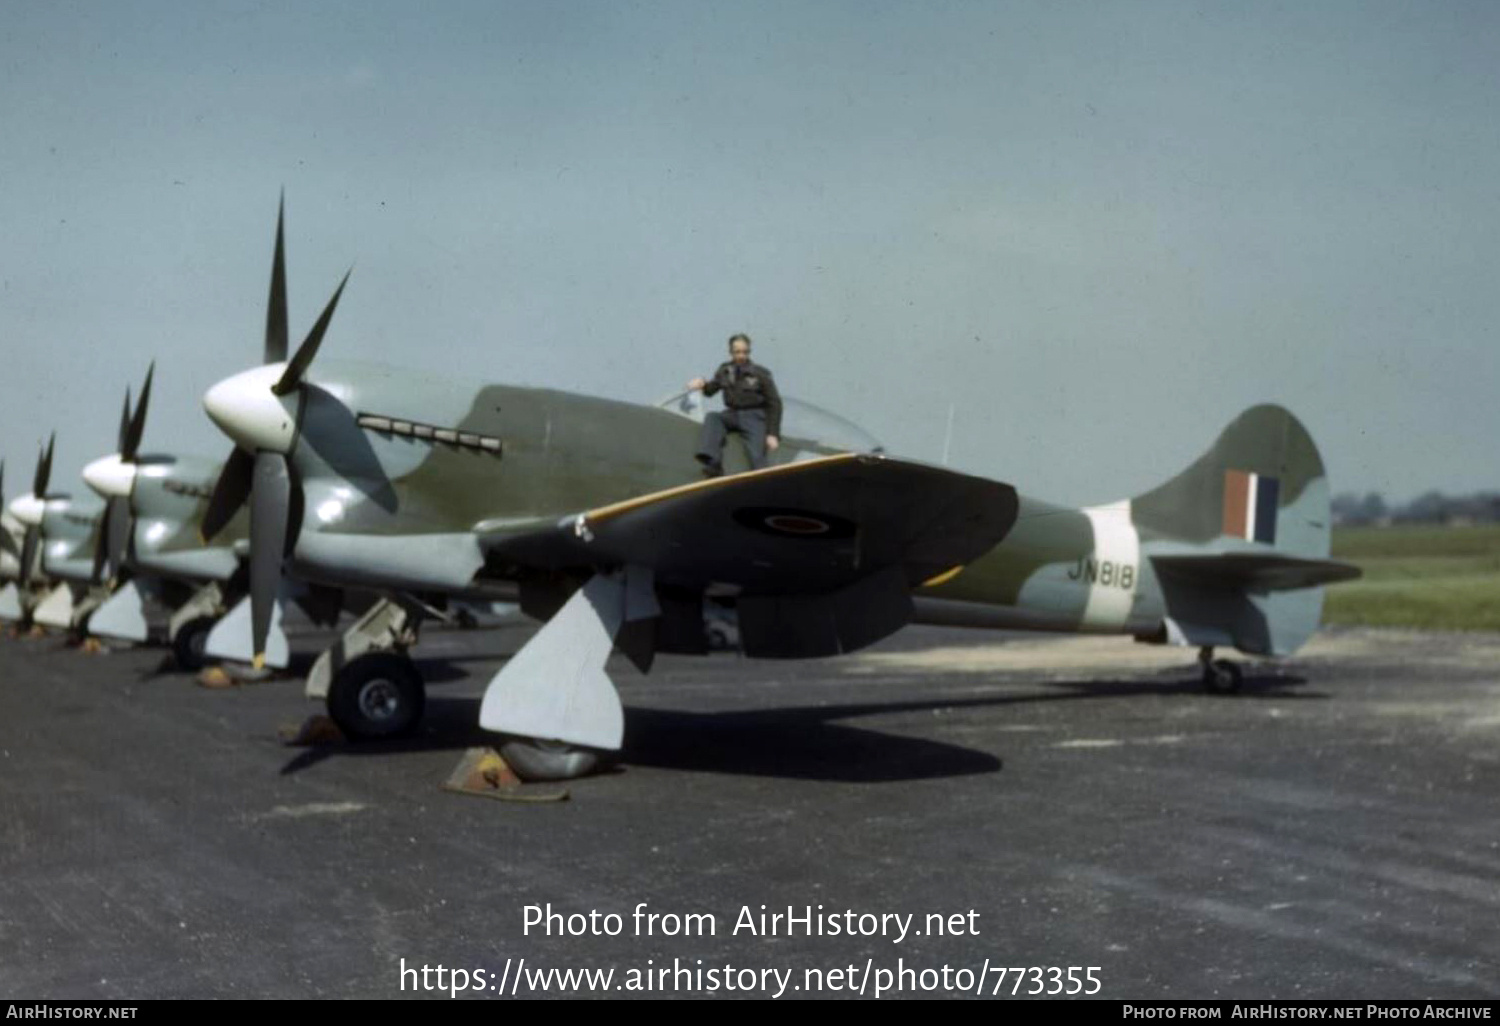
[403, 474]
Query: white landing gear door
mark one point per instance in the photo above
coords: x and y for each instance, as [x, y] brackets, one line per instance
[123, 615]
[231, 639]
[555, 688]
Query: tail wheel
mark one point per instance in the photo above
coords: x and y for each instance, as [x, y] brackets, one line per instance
[378, 695]
[189, 642]
[1223, 677]
[536, 759]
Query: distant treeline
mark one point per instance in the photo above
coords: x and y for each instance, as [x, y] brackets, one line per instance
[1429, 508]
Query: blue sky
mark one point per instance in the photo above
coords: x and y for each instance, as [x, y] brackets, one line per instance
[1099, 230]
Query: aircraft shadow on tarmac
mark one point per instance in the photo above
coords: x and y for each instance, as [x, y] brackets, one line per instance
[798, 742]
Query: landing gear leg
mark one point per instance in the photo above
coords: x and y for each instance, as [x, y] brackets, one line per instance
[192, 622]
[1220, 676]
[78, 625]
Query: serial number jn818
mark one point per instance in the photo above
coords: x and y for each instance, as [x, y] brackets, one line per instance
[1105, 572]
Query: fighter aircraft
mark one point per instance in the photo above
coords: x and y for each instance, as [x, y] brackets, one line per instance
[59, 587]
[593, 511]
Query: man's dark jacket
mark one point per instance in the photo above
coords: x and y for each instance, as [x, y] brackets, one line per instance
[748, 387]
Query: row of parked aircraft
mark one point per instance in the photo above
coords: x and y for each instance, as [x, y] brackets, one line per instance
[391, 495]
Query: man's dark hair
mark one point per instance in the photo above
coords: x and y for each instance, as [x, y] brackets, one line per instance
[740, 337]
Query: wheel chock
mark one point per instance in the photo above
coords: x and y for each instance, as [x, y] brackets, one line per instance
[92, 646]
[35, 633]
[228, 675]
[315, 730]
[483, 773]
[215, 677]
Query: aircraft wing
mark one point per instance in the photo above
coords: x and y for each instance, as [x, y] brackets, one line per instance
[1256, 571]
[799, 528]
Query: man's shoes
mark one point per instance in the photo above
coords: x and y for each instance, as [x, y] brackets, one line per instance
[712, 470]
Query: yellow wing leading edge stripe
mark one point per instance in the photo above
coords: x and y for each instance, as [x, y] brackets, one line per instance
[944, 577]
[603, 513]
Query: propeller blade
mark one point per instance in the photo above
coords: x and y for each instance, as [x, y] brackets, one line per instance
[101, 546]
[44, 470]
[276, 340]
[124, 423]
[309, 347]
[28, 552]
[116, 531]
[7, 543]
[138, 422]
[270, 511]
[230, 493]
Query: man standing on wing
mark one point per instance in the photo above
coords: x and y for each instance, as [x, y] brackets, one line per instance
[752, 408]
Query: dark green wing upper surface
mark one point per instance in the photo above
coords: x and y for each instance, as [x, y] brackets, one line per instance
[801, 528]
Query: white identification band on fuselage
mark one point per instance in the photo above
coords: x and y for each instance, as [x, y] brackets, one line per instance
[1113, 572]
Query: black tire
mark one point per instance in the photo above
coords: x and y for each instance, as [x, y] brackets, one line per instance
[536, 759]
[187, 645]
[1223, 677]
[378, 695]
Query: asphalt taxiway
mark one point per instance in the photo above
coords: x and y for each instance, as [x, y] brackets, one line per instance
[1334, 831]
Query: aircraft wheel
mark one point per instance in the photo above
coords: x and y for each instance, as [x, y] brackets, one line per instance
[718, 639]
[535, 759]
[1223, 677]
[378, 695]
[188, 644]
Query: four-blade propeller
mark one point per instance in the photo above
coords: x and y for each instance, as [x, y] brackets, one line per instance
[259, 410]
[113, 477]
[30, 509]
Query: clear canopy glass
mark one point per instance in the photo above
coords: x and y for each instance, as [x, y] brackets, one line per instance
[803, 425]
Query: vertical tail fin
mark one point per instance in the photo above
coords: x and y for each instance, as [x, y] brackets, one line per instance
[1234, 537]
[1261, 481]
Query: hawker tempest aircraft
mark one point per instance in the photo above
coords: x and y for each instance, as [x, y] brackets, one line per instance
[595, 514]
[61, 536]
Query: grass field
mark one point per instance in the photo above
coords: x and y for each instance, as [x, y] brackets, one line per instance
[1435, 578]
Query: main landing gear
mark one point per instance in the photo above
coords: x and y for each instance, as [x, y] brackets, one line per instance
[372, 688]
[374, 691]
[377, 695]
[191, 624]
[1220, 676]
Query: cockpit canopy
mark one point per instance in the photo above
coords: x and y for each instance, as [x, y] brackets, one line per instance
[803, 426]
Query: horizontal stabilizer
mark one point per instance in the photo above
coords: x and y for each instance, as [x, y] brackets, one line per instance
[1254, 571]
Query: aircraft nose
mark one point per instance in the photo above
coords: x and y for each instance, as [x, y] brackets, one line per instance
[256, 418]
[28, 509]
[110, 477]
